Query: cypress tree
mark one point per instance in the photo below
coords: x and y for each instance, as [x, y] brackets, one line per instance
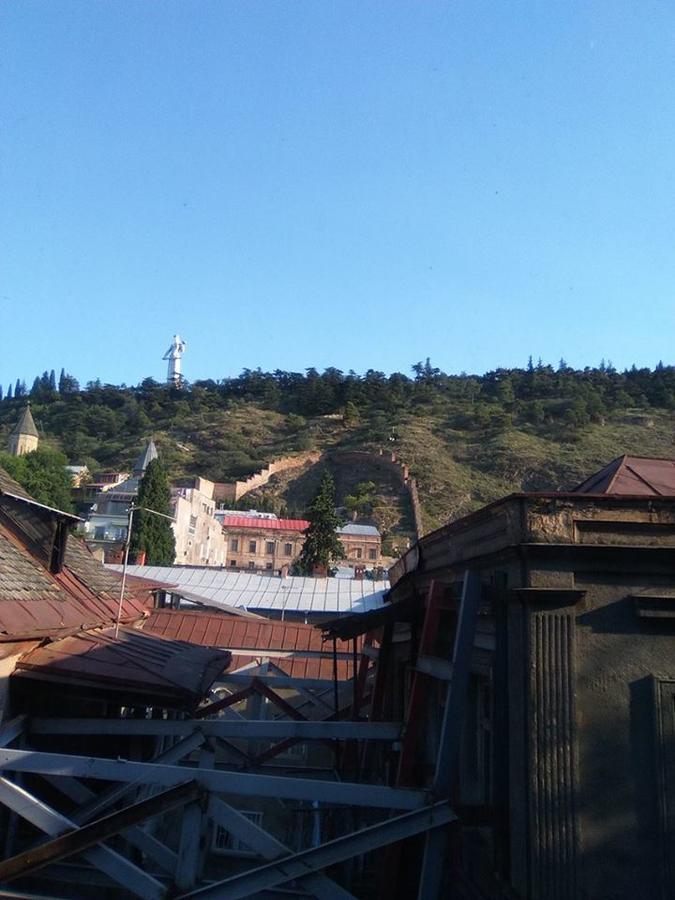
[153, 533]
[321, 545]
[9, 392]
[52, 380]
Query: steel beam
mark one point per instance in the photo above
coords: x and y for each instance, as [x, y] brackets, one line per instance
[53, 823]
[187, 866]
[269, 847]
[272, 729]
[316, 858]
[451, 731]
[277, 681]
[80, 839]
[244, 785]
[136, 836]
[113, 795]
[12, 729]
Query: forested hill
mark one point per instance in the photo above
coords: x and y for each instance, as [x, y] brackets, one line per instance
[467, 439]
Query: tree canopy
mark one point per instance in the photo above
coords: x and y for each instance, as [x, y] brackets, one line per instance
[151, 533]
[43, 474]
[322, 546]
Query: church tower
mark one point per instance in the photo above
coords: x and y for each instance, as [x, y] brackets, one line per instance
[24, 436]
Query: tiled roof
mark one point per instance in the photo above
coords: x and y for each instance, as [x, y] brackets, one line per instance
[177, 673]
[26, 424]
[264, 524]
[268, 593]
[633, 475]
[296, 649]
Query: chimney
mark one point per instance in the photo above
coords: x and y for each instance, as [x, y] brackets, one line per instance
[140, 558]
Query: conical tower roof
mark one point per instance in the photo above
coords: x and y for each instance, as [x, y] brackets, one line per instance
[26, 425]
[146, 457]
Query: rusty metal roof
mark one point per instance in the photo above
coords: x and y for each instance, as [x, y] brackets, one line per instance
[35, 602]
[296, 649]
[175, 673]
[633, 476]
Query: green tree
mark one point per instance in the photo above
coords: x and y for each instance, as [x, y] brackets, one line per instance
[43, 474]
[150, 533]
[321, 545]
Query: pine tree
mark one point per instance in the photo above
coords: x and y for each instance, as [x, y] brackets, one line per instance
[154, 533]
[321, 545]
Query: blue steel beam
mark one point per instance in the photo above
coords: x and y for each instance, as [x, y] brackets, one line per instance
[53, 823]
[355, 844]
[269, 847]
[236, 783]
[243, 728]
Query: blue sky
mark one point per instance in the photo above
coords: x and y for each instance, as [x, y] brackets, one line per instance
[296, 183]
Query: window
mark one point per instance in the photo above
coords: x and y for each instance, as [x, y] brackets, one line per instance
[372, 553]
[270, 548]
[357, 553]
[288, 549]
[226, 842]
[233, 563]
[252, 546]
[234, 544]
[251, 565]
[268, 566]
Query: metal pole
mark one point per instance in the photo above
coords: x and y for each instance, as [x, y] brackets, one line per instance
[124, 569]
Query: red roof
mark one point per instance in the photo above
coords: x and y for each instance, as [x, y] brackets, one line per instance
[264, 524]
[35, 602]
[174, 672]
[634, 476]
[295, 648]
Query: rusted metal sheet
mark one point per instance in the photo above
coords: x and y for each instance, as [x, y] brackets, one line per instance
[297, 649]
[634, 476]
[176, 672]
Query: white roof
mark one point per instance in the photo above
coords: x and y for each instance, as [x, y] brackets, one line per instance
[267, 592]
[359, 529]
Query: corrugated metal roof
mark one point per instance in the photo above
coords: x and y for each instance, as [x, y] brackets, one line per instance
[264, 524]
[267, 593]
[173, 671]
[297, 649]
[634, 476]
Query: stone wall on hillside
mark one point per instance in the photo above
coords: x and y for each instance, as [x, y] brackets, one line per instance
[390, 461]
[228, 492]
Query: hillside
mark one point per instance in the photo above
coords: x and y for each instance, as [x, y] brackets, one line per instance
[466, 439]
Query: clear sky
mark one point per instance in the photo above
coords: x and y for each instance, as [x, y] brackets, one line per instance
[358, 184]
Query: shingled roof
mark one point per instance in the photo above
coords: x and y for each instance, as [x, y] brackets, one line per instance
[634, 476]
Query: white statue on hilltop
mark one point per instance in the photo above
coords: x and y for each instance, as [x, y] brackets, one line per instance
[175, 355]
